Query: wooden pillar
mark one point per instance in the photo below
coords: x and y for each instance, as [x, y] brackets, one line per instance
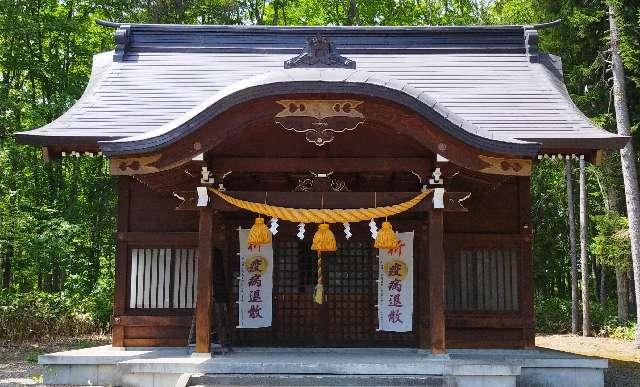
[584, 258]
[526, 266]
[424, 341]
[122, 263]
[205, 281]
[436, 281]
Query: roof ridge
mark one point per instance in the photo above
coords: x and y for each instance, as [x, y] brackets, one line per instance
[135, 38]
[400, 28]
[449, 28]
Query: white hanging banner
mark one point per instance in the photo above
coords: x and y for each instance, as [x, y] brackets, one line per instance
[256, 284]
[395, 286]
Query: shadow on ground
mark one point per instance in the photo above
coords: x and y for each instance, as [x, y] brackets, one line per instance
[622, 373]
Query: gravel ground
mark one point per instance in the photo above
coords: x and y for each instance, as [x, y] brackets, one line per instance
[624, 360]
[19, 361]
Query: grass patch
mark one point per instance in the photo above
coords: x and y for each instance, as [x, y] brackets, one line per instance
[25, 316]
[621, 332]
[553, 316]
[83, 343]
[32, 356]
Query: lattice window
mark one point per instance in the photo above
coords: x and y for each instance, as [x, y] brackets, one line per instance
[483, 279]
[295, 271]
[352, 287]
[163, 278]
[348, 318]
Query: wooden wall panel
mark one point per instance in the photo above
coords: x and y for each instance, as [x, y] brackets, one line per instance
[483, 279]
[501, 246]
[151, 211]
[493, 208]
[494, 216]
[155, 331]
[477, 337]
[149, 225]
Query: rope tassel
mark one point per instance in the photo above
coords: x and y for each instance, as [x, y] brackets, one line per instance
[386, 238]
[323, 240]
[259, 234]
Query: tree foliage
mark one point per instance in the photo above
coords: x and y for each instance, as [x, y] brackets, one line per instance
[611, 245]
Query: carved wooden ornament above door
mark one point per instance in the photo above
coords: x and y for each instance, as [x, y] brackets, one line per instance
[319, 119]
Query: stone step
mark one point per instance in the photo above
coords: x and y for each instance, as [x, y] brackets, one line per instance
[317, 380]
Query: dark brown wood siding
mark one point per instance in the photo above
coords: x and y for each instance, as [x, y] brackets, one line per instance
[489, 240]
[148, 224]
[488, 272]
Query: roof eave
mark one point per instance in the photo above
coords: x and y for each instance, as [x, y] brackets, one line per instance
[614, 142]
[34, 138]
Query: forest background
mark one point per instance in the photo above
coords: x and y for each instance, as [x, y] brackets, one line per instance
[57, 219]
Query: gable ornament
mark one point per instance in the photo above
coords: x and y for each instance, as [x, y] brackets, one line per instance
[319, 51]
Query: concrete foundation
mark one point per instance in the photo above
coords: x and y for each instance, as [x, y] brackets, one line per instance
[170, 367]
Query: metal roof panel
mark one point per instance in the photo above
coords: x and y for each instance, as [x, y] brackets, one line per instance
[502, 95]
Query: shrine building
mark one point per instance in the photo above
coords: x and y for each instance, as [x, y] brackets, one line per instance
[259, 167]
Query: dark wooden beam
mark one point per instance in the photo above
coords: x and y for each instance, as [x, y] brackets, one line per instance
[481, 240]
[419, 165]
[424, 341]
[205, 277]
[436, 281]
[526, 268]
[453, 200]
[122, 262]
[182, 239]
[464, 320]
[155, 321]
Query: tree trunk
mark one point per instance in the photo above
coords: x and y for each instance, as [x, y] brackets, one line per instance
[631, 299]
[603, 284]
[627, 156]
[596, 274]
[572, 245]
[352, 16]
[276, 11]
[621, 291]
[584, 261]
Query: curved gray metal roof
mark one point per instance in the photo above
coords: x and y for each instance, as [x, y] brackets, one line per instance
[319, 81]
[488, 85]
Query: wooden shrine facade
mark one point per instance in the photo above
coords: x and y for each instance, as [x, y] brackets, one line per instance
[482, 232]
[324, 118]
[485, 240]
